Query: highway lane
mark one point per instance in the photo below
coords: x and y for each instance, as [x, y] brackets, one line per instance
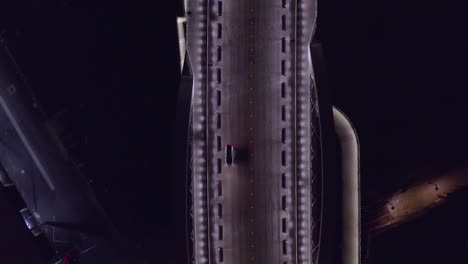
[252, 89]
[236, 221]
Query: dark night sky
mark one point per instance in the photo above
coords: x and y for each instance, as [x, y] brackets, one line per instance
[397, 68]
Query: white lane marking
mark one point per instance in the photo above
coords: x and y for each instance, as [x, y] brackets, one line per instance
[26, 143]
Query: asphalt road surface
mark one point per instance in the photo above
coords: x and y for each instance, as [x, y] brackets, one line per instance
[252, 89]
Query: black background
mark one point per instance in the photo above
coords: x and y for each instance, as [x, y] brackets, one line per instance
[107, 71]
